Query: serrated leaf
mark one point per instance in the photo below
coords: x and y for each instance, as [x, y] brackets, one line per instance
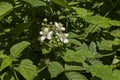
[36, 3]
[85, 46]
[3, 56]
[5, 63]
[61, 3]
[92, 28]
[116, 33]
[73, 68]
[73, 3]
[92, 48]
[82, 12]
[75, 76]
[114, 22]
[27, 69]
[74, 41]
[108, 44]
[73, 35]
[76, 56]
[116, 75]
[18, 48]
[102, 21]
[55, 69]
[105, 45]
[102, 71]
[5, 8]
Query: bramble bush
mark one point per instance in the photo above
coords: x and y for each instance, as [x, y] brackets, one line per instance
[59, 39]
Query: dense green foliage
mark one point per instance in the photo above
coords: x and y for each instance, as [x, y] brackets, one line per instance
[59, 39]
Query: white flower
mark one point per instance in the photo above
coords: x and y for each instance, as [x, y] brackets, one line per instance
[46, 34]
[59, 26]
[63, 37]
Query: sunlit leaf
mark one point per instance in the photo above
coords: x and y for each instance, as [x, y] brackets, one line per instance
[27, 69]
[75, 76]
[5, 63]
[55, 69]
[61, 3]
[102, 71]
[102, 21]
[5, 9]
[73, 35]
[115, 75]
[116, 33]
[36, 3]
[18, 48]
[74, 41]
[73, 68]
[76, 56]
[92, 48]
[108, 44]
[82, 12]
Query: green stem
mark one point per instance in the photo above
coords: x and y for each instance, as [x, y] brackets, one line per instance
[15, 75]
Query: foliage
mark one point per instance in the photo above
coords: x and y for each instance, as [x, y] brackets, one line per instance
[59, 39]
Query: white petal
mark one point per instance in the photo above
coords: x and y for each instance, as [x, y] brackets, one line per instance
[56, 24]
[65, 40]
[48, 36]
[66, 35]
[62, 28]
[43, 38]
[50, 33]
[46, 30]
[61, 39]
[41, 32]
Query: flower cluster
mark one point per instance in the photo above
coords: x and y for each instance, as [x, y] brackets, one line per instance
[54, 31]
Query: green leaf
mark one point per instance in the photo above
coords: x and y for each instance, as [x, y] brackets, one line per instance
[73, 3]
[102, 71]
[27, 69]
[105, 45]
[76, 56]
[116, 33]
[5, 63]
[36, 3]
[74, 41]
[116, 75]
[99, 21]
[108, 44]
[92, 48]
[75, 76]
[5, 9]
[18, 48]
[3, 56]
[19, 29]
[73, 68]
[92, 28]
[46, 51]
[102, 21]
[73, 35]
[114, 22]
[82, 12]
[61, 3]
[55, 69]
